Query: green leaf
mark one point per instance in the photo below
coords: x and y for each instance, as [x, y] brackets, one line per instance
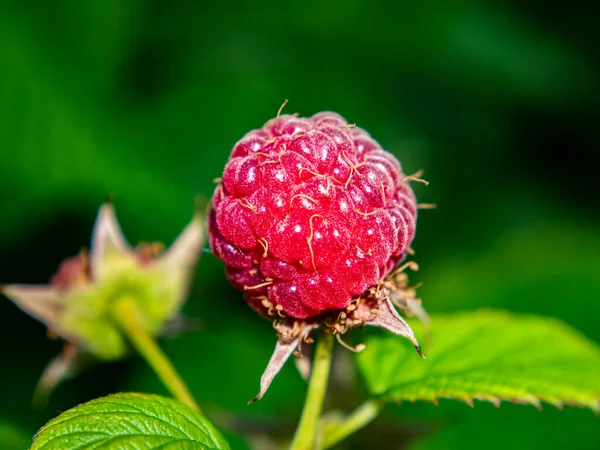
[129, 421]
[488, 355]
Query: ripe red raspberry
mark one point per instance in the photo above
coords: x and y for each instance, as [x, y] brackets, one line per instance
[311, 212]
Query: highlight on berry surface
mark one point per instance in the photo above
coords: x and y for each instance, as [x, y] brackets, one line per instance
[78, 303]
[313, 218]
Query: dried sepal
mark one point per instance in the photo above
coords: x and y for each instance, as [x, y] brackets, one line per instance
[387, 317]
[179, 260]
[404, 296]
[178, 325]
[108, 242]
[40, 301]
[186, 247]
[303, 361]
[290, 335]
[64, 366]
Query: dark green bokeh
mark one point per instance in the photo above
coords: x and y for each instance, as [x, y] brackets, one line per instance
[497, 101]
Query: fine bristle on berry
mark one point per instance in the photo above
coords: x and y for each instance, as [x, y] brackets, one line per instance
[310, 213]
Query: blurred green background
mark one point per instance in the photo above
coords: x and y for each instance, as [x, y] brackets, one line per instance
[498, 101]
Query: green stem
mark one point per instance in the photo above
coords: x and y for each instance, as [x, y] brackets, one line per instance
[361, 417]
[128, 316]
[304, 439]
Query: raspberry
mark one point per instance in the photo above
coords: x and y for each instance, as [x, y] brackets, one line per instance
[311, 213]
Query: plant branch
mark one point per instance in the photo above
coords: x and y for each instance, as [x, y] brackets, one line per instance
[128, 316]
[304, 439]
[362, 416]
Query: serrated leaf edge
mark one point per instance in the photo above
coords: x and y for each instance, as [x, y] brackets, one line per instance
[536, 402]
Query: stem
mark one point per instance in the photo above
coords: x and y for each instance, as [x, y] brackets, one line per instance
[304, 439]
[361, 417]
[128, 316]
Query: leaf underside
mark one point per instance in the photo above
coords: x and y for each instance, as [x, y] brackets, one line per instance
[129, 421]
[491, 356]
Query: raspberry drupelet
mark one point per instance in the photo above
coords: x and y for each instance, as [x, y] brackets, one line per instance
[310, 218]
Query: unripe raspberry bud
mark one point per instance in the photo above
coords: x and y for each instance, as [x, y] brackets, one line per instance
[79, 303]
